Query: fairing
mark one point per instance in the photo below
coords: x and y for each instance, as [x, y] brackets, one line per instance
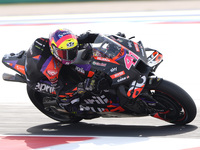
[15, 62]
[122, 59]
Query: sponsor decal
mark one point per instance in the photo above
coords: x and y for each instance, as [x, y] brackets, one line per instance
[80, 70]
[122, 79]
[99, 64]
[70, 44]
[42, 87]
[113, 69]
[97, 99]
[38, 43]
[94, 100]
[103, 59]
[141, 48]
[20, 68]
[60, 35]
[52, 72]
[136, 47]
[116, 75]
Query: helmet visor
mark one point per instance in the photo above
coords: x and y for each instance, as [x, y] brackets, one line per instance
[66, 54]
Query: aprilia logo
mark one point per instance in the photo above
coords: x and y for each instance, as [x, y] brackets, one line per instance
[41, 87]
[95, 100]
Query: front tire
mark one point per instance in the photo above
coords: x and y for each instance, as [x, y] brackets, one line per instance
[37, 99]
[181, 107]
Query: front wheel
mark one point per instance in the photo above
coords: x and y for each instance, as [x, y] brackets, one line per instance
[180, 108]
[37, 100]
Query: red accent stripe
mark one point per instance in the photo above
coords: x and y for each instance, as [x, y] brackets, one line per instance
[106, 60]
[195, 22]
[90, 73]
[34, 142]
[20, 68]
[116, 75]
[195, 148]
[37, 57]
[61, 40]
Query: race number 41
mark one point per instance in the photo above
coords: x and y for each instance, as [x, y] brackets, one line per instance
[130, 59]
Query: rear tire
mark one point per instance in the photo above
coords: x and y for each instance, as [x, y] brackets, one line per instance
[37, 99]
[182, 109]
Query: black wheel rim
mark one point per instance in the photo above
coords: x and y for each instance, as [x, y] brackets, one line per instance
[174, 110]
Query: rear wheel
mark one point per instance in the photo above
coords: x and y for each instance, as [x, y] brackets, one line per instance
[179, 107]
[37, 99]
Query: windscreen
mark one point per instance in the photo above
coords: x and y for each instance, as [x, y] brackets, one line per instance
[106, 47]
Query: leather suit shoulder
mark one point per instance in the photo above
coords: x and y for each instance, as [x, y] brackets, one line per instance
[41, 43]
[39, 46]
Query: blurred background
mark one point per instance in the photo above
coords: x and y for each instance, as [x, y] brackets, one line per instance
[34, 7]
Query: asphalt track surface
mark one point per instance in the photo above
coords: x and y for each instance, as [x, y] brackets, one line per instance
[24, 119]
[27, 120]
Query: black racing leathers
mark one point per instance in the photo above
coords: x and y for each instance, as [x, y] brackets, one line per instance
[43, 69]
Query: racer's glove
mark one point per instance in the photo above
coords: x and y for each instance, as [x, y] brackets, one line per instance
[89, 84]
[121, 34]
[87, 37]
[97, 83]
[87, 53]
[84, 35]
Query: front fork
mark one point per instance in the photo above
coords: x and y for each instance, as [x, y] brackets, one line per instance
[153, 82]
[140, 89]
[153, 106]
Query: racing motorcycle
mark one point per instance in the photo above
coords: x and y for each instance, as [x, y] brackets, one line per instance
[135, 90]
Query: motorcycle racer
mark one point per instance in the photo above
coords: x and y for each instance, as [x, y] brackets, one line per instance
[46, 58]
